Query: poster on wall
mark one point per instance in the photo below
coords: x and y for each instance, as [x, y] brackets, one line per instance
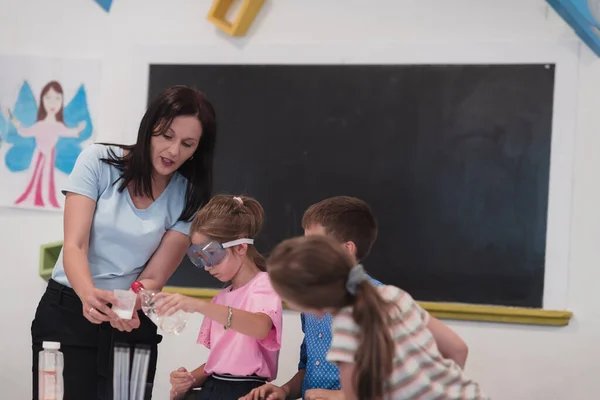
[47, 115]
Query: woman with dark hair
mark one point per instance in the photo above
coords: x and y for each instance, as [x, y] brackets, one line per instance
[127, 215]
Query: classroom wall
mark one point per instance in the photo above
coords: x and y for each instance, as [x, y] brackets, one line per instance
[511, 362]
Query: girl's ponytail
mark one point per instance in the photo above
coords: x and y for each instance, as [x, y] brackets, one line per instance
[257, 214]
[335, 281]
[375, 353]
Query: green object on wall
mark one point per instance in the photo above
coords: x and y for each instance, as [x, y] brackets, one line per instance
[48, 255]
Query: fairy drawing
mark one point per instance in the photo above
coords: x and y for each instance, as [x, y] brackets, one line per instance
[50, 135]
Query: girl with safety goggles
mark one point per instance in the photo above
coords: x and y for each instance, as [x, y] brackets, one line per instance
[242, 324]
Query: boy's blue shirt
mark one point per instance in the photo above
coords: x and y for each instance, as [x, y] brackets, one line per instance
[320, 374]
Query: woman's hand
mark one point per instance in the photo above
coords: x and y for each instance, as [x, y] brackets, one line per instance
[95, 306]
[127, 325]
[169, 303]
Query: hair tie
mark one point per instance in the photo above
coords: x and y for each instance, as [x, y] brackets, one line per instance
[356, 277]
[239, 200]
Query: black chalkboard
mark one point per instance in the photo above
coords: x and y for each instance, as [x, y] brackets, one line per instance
[453, 159]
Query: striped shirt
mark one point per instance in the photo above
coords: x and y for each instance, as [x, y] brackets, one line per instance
[420, 372]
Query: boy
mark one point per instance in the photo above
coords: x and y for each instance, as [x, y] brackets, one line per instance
[350, 221]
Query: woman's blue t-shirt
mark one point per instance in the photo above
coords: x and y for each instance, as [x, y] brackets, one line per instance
[122, 237]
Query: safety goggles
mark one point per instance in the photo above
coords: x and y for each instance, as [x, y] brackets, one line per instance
[212, 253]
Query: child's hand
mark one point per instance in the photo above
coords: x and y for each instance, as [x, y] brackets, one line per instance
[266, 391]
[169, 303]
[324, 394]
[181, 382]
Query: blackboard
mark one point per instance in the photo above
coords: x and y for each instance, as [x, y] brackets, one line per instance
[453, 159]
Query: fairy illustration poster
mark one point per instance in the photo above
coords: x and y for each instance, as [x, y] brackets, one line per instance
[46, 118]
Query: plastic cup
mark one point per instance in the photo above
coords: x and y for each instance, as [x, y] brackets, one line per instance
[126, 303]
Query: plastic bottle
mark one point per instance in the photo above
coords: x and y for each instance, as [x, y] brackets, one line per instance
[51, 364]
[172, 325]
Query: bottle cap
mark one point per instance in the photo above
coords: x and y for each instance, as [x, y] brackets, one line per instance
[137, 286]
[51, 345]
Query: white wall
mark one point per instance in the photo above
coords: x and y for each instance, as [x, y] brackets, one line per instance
[512, 362]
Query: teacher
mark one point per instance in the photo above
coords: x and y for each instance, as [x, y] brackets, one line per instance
[126, 217]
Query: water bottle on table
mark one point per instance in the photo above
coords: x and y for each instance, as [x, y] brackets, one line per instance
[172, 324]
[50, 365]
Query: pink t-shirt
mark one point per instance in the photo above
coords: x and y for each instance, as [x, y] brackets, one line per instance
[237, 354]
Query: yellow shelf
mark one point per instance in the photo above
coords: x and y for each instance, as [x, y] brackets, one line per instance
[248, 12]
[455, 311]
[193, 292]
[468, 312]
[513, 315]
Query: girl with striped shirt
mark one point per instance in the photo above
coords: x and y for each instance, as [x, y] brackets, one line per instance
[380, 337]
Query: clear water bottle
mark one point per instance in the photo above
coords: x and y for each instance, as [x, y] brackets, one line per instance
[51, 364]
[172, 324]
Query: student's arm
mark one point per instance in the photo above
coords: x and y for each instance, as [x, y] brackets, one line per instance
[347, 380]
[290, 390]
[257, 325]
[183, 381]
[450, 345]
[269, 391]
[182, 376]
[293, 387]
[260, 319]
[199, 376]
[345, 341]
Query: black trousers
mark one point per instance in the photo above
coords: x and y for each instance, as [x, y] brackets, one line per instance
[87, 348]
[225, 387]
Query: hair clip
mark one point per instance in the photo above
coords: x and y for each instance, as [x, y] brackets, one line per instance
[356, 276]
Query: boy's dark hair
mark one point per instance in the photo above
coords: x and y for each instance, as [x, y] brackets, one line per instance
[346, 219]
